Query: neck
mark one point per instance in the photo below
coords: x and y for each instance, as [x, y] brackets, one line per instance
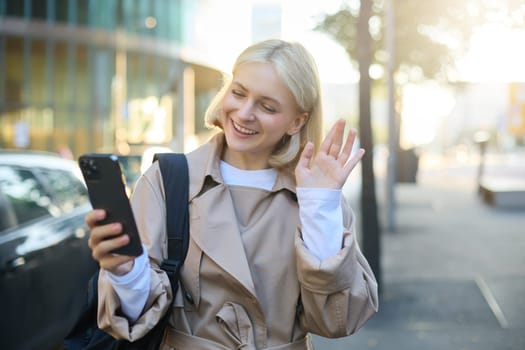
[245, 161]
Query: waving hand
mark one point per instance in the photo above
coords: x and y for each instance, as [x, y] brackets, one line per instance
[332, 164]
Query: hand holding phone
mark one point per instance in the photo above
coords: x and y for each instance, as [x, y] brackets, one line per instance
[107, 190]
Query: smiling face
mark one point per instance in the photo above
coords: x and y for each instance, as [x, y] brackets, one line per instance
[257, 111]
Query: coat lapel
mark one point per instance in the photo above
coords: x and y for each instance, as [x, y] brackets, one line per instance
[215, 230]
[213, 225]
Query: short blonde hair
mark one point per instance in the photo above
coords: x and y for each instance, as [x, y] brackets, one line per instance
[297, 69]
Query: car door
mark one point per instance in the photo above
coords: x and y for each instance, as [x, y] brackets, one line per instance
[44, 258]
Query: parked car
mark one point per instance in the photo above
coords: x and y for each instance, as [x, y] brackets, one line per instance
[45, 262]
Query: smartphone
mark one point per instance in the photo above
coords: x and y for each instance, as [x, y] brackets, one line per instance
[107, 190]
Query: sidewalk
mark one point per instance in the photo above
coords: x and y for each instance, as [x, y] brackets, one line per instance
[453, 272]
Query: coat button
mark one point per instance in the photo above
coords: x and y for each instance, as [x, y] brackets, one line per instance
[189, 298]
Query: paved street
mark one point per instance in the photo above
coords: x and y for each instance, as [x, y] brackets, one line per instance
[453, 273]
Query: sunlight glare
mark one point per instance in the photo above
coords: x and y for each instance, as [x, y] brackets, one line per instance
[424, 107]
[299, 19]
[497, 55]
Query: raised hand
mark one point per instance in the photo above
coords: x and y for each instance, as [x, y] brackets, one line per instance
[332, 164]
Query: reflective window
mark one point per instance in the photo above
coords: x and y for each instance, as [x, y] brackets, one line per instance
[68, 192]
[15, 8]
[38, 9]
[7, 214]
[31, 194]
[27, 196]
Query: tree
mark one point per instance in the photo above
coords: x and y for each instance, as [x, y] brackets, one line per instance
[430, 35]
[368, 201]
[428, 38]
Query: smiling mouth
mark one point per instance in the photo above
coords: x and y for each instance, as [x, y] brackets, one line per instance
[243, 130]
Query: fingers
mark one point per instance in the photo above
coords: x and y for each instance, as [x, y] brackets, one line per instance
[104, 239]
[329, 139]
[333, 143]
[344, 158]
[334, 140]
[337, 139]
[306, 156]
[94, 216]
[350, 165]
[100, 233]
[347, 149]
[343, 153]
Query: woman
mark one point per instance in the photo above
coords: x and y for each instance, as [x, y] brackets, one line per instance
[273, 253]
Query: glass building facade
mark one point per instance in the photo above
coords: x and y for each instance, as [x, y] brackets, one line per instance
[100, 75]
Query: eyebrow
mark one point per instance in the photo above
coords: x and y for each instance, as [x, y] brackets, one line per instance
[263, 97]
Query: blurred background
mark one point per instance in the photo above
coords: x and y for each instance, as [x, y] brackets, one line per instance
[436, 89]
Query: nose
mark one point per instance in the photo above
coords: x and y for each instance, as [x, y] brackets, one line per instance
[246, 111]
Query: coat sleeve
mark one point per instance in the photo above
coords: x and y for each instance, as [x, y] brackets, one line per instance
[149, 209]
[340, 293]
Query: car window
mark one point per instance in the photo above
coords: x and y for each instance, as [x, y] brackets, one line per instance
[27, 197]
[67, 190]
[7, 213]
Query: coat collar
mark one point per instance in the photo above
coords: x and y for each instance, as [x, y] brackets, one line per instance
[204, 166]
[205, 163]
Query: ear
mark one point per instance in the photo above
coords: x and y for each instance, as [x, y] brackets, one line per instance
[297, 124]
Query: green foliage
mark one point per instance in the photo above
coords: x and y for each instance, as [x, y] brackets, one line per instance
[429, 34]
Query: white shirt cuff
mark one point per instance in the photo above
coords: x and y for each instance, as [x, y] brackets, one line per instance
[133, 287]
[321, 216]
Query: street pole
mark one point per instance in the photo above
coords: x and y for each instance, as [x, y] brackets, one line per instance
[371, 229]
[392, 124]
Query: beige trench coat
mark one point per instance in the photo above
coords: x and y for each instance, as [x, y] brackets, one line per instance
[249, 287]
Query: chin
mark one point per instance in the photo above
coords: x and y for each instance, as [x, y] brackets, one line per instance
[236, 145]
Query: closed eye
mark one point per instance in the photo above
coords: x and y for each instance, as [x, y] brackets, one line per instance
[238, 93]
[268, 108]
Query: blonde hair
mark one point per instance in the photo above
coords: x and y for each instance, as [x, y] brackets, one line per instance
[297, 69]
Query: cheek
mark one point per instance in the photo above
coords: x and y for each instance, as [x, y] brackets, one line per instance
[277, 129]
[283, 124]
[228, 104]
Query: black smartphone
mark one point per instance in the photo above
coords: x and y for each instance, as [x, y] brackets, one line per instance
[107, 190]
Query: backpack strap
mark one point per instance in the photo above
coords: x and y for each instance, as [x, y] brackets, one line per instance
[174, 169]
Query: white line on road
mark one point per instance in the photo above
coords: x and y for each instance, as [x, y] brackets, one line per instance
[491, 301]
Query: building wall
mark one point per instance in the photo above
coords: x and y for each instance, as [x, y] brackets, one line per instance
[99, 75]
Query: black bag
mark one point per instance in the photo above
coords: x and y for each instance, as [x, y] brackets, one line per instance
[85, 334]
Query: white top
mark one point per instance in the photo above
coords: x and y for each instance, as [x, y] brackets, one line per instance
[321, 218]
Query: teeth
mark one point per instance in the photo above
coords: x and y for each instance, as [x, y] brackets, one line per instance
[244, 130]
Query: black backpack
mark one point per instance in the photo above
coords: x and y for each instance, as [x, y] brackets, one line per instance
[85, 335]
